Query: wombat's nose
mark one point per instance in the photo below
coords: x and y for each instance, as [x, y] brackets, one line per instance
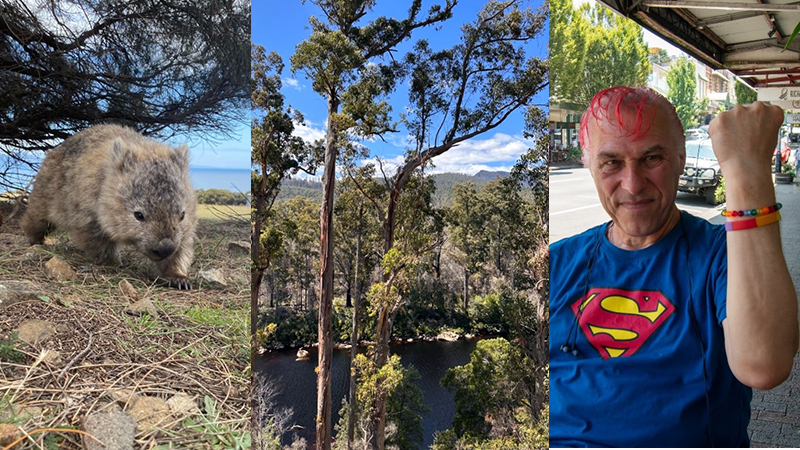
[165, 248]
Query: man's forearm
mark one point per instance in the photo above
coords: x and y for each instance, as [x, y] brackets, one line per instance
[761, 328]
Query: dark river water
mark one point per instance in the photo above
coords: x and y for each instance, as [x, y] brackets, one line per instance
[296, 381]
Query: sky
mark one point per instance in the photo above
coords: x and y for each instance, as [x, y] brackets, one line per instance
[228, 153]
[281, 28]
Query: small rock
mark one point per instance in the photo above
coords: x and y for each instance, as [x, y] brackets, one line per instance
[448, 336]
[52, 357]
[183, 405]
[17, 291]
[469, 336]
[114, 429]
[29, 412]
[127, 289]
[35, 330]
[123, 395]
[59, 269]
[141, 307]
[302, 353]
[213, 277]
[239, 248]
[149, 412]
[8, 434]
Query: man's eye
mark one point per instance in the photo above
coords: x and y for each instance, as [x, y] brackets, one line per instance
[610, 165]
[653, 160]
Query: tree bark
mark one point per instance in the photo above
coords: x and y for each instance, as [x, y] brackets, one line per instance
[466, 290]
[323, 432]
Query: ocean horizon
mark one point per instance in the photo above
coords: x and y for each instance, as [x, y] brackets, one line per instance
[234, 180]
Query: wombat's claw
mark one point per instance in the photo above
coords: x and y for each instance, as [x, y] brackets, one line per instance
[179, 282]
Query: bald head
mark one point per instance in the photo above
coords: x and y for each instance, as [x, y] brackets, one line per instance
[628, 112]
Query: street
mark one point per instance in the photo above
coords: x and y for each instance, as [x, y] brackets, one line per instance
[575, 207]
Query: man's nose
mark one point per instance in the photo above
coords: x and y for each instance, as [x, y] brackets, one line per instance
[634, 178]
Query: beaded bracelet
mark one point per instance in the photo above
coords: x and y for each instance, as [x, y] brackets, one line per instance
[753, 223]
[752, 212]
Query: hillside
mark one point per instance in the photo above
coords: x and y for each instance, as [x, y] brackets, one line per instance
[442, 197]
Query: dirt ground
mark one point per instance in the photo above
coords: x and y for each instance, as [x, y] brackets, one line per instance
[112, 340]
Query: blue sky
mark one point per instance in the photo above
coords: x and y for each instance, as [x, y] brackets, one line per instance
[281, 28]
[229, 153]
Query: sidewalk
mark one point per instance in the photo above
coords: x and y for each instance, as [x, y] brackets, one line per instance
[775, 420]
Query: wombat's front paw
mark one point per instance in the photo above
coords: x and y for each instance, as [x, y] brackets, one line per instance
[179, 282]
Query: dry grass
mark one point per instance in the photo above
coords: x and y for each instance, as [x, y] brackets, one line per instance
[196, 345]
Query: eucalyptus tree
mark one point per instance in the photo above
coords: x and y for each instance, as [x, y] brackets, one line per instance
[455, 95]
[467, 219]
[275, 155]
[343, 61]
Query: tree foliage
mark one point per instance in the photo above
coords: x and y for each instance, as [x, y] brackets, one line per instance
[682, 91]
[162, 67]
[405, 404]
[492, 392]
[220, 197]
[744, 93]
[567, 49]
[597, 49]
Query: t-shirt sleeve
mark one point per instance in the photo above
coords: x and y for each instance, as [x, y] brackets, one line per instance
[719, 274]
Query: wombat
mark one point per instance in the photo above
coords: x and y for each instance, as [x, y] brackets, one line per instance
[109, 185]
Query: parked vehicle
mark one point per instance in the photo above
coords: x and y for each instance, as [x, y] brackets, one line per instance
[701, 174]
[696, 133]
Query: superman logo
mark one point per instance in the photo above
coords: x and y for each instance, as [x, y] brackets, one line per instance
[618, 322]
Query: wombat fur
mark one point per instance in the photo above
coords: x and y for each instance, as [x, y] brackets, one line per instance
[109, 185]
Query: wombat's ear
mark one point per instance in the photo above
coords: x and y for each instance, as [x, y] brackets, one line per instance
[121, 157]
[181, 155]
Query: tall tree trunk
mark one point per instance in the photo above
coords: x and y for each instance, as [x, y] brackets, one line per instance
[256, 275]
[326, 284]
[351, 416]
[466, 290]
[349, 296]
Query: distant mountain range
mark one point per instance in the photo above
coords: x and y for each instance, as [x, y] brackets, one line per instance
[444, 185]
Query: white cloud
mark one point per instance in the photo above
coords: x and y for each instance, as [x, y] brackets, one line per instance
[293, 82]
[389, 165]
[499, 152]
[308, 132]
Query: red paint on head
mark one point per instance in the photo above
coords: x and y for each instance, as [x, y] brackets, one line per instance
[630, 109]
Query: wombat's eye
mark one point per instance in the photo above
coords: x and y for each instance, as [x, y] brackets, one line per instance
[183, 214]
[139, 216]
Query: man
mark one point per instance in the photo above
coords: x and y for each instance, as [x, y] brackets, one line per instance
[660, 323]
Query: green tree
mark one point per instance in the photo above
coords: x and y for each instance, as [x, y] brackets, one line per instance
[455, 95]
[682, 91]
[744, 93]
[343, 61]
[275, 154]
[492, 390]
[616, 53]
[404, 405]
[567, 49]
[468, 222]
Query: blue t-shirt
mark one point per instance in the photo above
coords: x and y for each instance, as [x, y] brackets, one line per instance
[638, 380]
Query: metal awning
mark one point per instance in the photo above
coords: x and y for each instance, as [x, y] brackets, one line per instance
[746, 37]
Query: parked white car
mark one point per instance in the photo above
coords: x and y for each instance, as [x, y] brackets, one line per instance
[701, 175]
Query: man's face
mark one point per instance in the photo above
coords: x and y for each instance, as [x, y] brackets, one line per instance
[636, 179]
